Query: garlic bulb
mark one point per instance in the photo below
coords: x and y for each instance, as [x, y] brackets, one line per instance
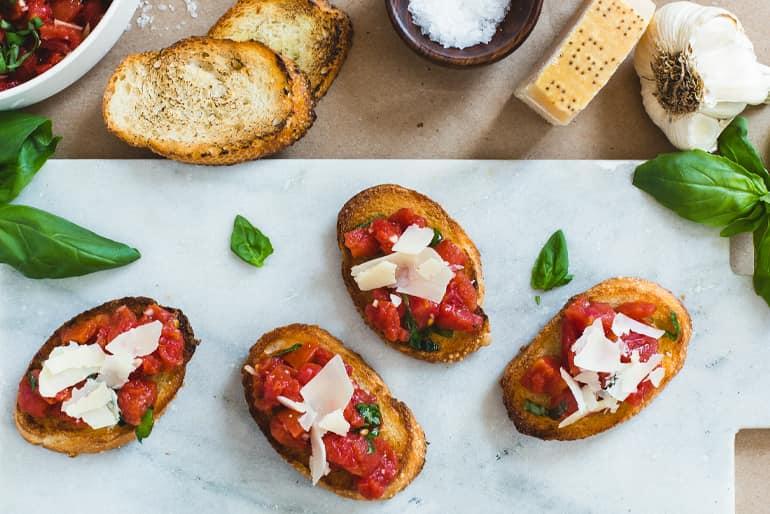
[698, 71]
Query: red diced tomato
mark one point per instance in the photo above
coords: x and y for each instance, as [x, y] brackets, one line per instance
[351, 411]
[322, 356]
[640, 311]
[386, 317]
[386, 233]
[645, 345]
[40, 9]
[458, 317]
[280, 381]
[134, 398]
[462, 291]
[423, 311]
[361, 243]
[84, 331]
[351, 453]
[373, 485]
[406, 217]
[307, 372]
[92, 13]
[637, 397]
[29, 399]
[285, 428]
[565, 402]
[171, 352]
[544, 377]
[452, 253]
[151, 364]
[301, 355]
[570, 332]
[66, 10]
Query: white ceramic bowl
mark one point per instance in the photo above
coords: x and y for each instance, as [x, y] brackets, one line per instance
[77, 63]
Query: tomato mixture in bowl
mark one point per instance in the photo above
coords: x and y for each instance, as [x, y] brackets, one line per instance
[35, 35]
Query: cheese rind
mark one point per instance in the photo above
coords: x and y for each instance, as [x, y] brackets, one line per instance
[585, 60]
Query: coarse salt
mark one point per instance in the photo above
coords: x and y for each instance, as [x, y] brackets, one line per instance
[458, 23]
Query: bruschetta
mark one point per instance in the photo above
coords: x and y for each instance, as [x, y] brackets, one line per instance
[599, 362]
[413, 273]
[330, 416]
[104, 377]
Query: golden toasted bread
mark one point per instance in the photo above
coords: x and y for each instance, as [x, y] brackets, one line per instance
[614, 291]
[209, 101]
[399, 427]
[60, 436]
[312, 33]
[385, 200]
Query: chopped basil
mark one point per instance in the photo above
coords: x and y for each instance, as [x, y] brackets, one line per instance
[443, 332]
[144, 428]
[368, 221]
[674, 334]
[418, 339]
[437, 237]
[551, 267]
[249, 243]
[538, 299]
[554, 413]
[32, 381]
[284, 351]
[373, 419]
[11, 57]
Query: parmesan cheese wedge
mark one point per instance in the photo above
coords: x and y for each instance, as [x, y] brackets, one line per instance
[586, 58]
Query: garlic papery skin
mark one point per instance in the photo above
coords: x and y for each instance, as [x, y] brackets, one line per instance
[698, 71]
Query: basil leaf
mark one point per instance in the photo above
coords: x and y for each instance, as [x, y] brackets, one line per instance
[144, 428]
[535, 408]
[42, 245]
[538, 299]
[443, 332]
[32, 381]
[249, 243]
[748, 223]
[735, 145]
[285, 351]
[677, 329]
[418, 339]
[762, 260]
[371, 413]
[551, 267]
[26, 142]
[437, 237]
[701, 187]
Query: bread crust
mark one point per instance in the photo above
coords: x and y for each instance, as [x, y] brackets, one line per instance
[329, 60]
[386, 199]
[548, 342]
[293, 128]
[399, 428]
[61, 437]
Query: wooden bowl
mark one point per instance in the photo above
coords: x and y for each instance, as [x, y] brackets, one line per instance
[511, 33]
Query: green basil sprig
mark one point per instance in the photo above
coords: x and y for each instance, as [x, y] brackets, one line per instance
[418, 339]
[42, 245]
[286, 351]
[370, 412]
[554, 413]
[729, 191]
[551, 267]
[144, 428]
[249, 243]
[26, 142]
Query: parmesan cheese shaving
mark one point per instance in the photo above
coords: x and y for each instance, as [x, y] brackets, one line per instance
[623, 325]
[139, 341]
[414, 240]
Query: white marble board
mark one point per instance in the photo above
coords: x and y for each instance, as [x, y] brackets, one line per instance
[207, 455]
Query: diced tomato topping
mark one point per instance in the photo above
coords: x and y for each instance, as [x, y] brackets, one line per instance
[39, 9]
[307, 372]
[570, 332]
[406, 217]
[645, 345]
[84, 331]
[386, 317]
[386, 233]
[322, 356]
[583, 313]
[373, 486]
[29, 399]
[424, 311]
[285, 428]
[640, 311]
[134, 398]
[122, 320]
[301, 355]
[458, 317]
[637, 397]
[281, 380]
[565, 403]
[451, 253]
[351, 411]
[351, 453]
[66, 10]
[361, 243]
[461, 291]
[544, 377]
[171, 351]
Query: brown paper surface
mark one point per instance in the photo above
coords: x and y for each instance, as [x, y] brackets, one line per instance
[389, 103]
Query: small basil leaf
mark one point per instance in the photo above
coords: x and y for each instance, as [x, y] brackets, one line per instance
[735, 145]
[42, 245]
[32, 381]
[371, 414]
[538, 300]
[748, 223]
[701, 187]
[248, 243]
[443, 332]
[437, 237]
[551, 267]
[418, 339]
[535, 408]
[676, 329]
[144, 428]
[286, 351]
[762, 260]
[26, 142]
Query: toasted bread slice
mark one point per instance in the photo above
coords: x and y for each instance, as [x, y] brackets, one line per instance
[209, 101]
[399, 426]
[58, 435]
[386, 199]
[312, 33]
[614, 291]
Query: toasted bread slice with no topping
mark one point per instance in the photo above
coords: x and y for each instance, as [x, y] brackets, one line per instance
[399, 426]
[385, 200]
[62, 437]
[614, 291]
[313, 33]
[209, 101]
